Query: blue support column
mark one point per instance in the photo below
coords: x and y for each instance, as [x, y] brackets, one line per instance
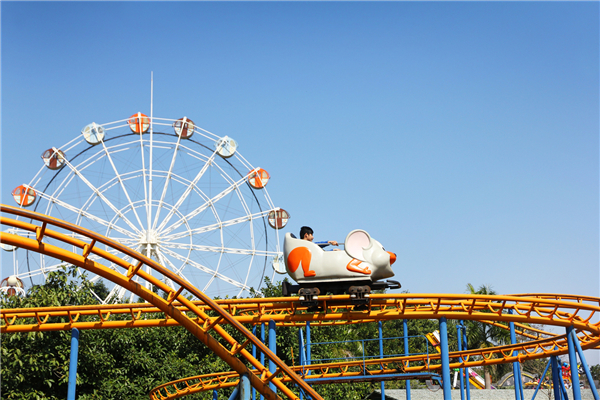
[245, 388]
[563, 387]
[215, 394]
[573, 362]
[521, 382]
[541, 380]
[308, 344]
[382, 383]
[254, 355]
[405, 333]
[556, 378]
[445, 359]
[585, 366]
[302, 348]
[465, 343]
[273, 348]
[516, 365]
[302, 351]
[73, 364]
[242, 390]
[460, 370]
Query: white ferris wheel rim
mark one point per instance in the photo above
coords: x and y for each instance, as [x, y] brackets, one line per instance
[170, 240]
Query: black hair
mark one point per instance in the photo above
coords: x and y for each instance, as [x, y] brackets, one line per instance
[304, 230]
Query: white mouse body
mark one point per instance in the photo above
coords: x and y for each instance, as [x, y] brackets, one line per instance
[364, 258]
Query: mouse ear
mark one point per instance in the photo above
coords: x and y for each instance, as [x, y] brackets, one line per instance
[357, 241]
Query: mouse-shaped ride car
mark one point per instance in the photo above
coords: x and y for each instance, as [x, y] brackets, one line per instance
[356, 270]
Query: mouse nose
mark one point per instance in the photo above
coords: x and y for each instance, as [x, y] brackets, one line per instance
[392, 257]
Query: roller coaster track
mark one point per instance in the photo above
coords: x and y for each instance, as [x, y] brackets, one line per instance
[546, 309]
[383, 307]
[198, 323]
[284, 311]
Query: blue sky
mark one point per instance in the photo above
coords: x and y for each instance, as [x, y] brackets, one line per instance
[461, 135]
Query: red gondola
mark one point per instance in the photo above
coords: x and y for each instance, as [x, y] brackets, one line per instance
[53, 158]
[184, 127]
[278, 218]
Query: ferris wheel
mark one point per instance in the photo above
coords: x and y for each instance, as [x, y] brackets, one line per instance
[175, 192]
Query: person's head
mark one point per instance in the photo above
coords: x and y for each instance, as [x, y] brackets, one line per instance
[306, 233]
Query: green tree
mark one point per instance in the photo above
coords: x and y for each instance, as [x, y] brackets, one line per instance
[35, 364]
[481, 335]
[128, 363]
[112, 364]
[595, 371]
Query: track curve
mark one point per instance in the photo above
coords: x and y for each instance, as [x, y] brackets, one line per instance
[580, 312]
[200, 325]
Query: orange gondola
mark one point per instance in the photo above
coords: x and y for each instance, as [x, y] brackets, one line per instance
[24, 195]
[139, 123]
[258, 178]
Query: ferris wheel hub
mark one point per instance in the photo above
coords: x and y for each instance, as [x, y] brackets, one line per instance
[149, 237]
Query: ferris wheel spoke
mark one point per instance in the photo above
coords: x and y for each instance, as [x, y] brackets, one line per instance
[166, 262]
[42, 271]
[101, 196]
[118, 176]
[216, 226]
[144, 178]
[205, 269]
[150, 173]
[20, 232]
[179, 257]
[126, 241]
[114, 293]
[204, 206]
[167, 180]
[187, 192]
[118, 292]
[218, 249]
[94, 279]
[121, 294]
[80, 211]
[101, 259]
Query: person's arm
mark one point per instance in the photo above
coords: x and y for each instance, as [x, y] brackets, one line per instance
[327, 243]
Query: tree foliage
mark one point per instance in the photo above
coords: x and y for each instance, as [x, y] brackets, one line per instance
[128, 363]
[482, 335]
[595, 371]
[112, 364]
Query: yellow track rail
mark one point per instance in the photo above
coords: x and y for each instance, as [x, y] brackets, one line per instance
[284, 311]
[539, 309]
[199, 323]
[547, 309]
[377, 367]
